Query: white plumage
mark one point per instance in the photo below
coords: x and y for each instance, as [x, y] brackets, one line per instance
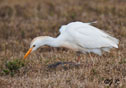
[87, 38]
[79, 36]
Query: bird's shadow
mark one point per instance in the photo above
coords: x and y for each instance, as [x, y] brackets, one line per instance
[63, 65]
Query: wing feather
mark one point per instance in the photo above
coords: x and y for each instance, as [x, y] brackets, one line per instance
[89, 37]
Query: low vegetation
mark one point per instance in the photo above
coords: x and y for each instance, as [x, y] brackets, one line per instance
[12, 67]
[22, 20]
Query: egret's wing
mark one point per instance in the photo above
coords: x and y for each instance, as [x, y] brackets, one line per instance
[88, 36]
[63, 27]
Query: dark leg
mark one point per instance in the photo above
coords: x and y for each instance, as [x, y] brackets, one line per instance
[78, 57]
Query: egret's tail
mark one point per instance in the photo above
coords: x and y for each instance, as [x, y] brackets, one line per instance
[114, 41]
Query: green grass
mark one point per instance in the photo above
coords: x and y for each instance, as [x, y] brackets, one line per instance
[12, 67]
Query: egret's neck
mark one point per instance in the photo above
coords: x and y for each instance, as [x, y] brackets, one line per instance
[53, 42]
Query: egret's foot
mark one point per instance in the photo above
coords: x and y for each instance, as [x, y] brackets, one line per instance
[78, 63]
[64, 64]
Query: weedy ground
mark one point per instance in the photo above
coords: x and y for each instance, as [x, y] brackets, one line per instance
[22, 20]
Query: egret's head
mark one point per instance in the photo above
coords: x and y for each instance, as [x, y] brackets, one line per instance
[36, 43]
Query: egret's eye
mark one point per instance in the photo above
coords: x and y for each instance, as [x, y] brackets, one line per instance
[33, 45]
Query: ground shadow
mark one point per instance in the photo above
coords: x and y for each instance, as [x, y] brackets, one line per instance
[63, 65]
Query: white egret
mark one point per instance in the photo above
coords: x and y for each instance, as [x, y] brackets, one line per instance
[78, 36]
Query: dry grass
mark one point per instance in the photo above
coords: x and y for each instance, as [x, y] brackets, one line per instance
[21, 21]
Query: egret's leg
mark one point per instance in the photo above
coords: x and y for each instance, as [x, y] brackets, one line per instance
[90, 55]
[78, 57]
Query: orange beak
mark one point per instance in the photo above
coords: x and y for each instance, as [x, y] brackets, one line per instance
[28, 52]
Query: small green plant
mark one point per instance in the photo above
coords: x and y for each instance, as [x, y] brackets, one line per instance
[12, 67]
[123, 61]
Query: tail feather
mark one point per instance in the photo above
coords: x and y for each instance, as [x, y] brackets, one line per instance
[114, 41]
